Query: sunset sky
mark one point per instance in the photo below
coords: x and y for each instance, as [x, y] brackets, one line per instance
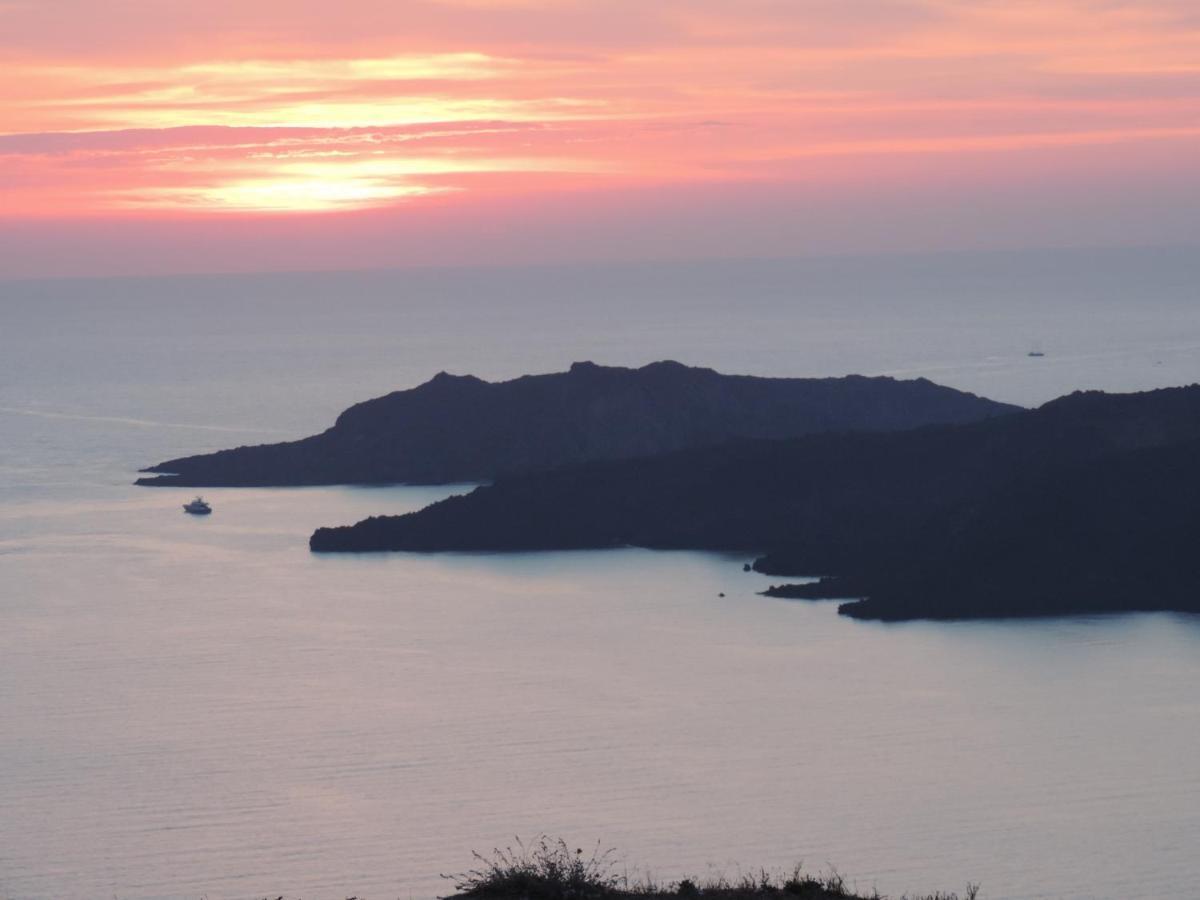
[146, 136]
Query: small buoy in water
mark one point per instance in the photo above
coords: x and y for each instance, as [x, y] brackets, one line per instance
[720, 595]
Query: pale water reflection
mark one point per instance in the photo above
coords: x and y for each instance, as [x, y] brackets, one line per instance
[200, 707]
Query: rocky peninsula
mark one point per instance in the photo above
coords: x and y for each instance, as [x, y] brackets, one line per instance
[461, 428]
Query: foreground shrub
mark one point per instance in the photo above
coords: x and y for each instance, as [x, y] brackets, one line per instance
[550, 870]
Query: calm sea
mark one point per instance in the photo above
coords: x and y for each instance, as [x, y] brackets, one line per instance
[200, 708]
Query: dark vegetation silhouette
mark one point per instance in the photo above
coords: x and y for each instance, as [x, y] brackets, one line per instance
[550, 870]
[1088, 503]
[460, 428]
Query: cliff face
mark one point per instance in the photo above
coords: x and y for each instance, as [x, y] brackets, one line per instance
[460, 428]
[1112, 534]
[1083, 504]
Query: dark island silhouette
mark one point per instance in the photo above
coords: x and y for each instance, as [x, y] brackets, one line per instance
[461, 429]
[1089, 503]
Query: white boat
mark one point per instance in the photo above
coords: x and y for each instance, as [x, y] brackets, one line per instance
[197, 507]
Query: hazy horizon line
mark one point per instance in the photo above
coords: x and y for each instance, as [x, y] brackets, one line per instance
[583, 263]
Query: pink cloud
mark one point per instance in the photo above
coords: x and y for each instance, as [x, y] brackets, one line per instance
[453, 109]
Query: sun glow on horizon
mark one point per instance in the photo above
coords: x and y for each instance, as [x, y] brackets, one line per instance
[343, 192]
[327, 181]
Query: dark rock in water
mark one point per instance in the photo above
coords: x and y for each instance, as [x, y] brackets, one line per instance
[821, 589]
[460, 428]
[1089, 503]
[747, 567]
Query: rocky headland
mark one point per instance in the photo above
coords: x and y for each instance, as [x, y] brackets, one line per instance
[463, 429]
